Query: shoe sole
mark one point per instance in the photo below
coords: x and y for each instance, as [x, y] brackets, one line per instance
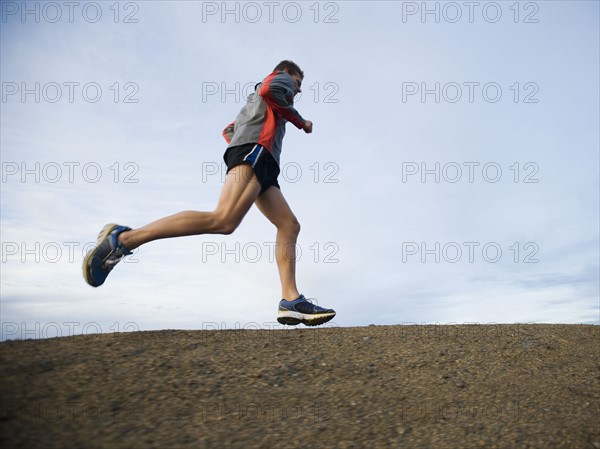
[293, 319]
[86, 262]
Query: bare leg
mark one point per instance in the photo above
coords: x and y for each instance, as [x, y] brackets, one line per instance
[274, 206]
[239, 192]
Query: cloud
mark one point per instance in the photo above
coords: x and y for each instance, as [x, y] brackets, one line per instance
[404, 196]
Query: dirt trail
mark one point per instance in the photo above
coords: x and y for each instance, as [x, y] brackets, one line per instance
[489, 386]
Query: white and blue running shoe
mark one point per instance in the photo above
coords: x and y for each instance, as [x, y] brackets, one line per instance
[301, 310]
[101, 259]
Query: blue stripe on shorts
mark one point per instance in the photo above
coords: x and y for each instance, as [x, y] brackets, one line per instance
[254, 154]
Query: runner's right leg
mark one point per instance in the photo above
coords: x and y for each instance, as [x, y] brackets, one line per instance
[239, 192]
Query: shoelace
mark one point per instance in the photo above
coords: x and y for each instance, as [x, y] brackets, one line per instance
[313, 302]
[113, 258]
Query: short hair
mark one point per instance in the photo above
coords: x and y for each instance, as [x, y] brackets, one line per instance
[292, 68]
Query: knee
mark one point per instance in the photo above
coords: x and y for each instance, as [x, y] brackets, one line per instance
[224, 225]
[228, 228]
[296, 227]
[292, 227]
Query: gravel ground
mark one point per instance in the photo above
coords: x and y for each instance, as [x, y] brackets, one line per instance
[489, 386]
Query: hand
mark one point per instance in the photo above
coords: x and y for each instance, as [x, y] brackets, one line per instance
[308, 127]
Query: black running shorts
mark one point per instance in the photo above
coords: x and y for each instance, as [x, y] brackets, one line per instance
[259, 158]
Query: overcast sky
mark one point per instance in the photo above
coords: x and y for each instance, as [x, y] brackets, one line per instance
[452, 175]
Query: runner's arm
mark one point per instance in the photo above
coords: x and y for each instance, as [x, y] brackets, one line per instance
[228, 132]
[278, 92]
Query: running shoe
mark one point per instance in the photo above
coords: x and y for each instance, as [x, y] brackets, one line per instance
[301, 310]
[101, 259]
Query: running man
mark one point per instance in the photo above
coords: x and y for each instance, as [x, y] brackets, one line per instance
[252, 158]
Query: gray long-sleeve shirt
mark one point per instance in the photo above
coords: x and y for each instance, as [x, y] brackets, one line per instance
[262, 120]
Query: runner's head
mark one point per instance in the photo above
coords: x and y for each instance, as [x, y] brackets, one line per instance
[290, 67]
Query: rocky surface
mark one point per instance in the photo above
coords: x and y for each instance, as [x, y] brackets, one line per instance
[488, 386]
